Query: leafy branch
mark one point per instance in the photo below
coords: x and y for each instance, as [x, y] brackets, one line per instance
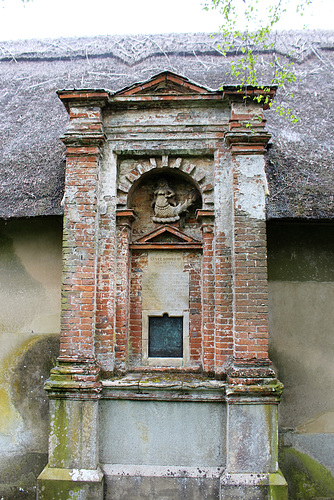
[259, 19]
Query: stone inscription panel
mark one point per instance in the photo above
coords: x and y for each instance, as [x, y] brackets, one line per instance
[165, 284]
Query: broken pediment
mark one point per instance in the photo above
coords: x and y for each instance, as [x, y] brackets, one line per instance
[164, 83]
[166, 237]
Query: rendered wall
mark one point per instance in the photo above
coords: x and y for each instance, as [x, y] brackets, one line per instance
[301, 298]
[30, 277]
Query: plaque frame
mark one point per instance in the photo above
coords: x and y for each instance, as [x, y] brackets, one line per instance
[155, 361]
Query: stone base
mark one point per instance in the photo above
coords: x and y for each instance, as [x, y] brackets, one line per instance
[64, 484]
[144, 482]
[253, 487]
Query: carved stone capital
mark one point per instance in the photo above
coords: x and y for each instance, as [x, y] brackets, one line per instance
[206, 219]
[125, 217]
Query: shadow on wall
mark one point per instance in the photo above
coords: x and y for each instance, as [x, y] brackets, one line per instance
[19, 470]
[27, 386]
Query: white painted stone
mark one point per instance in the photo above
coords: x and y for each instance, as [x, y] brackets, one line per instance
[161, 471]
[108, 172]
[223, 198]
[252, 187]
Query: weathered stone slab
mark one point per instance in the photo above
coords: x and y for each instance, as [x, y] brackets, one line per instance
[162, 433]
[144, 482]
[252, 438]
[249, 486]
[165, 284]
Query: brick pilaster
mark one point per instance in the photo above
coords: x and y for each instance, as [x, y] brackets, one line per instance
[124, 221]
[84, 139]
[247, 139]
[106, 288]
[206, 217]
[79, 254]
[250, 291]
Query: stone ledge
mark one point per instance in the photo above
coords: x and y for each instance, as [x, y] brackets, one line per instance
[250, 486]
[81, 475]
[161, 471]
[164, 386]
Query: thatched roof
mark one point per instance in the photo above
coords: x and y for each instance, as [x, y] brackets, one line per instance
[299, 160]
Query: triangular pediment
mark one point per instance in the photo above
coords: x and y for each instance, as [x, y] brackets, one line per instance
[166, 236]
[162, 84]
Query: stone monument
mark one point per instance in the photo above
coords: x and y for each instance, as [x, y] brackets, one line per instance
[163, 387]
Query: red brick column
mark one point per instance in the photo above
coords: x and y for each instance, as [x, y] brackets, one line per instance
[84, 139]
[79, 254]
[74, 386]
[249, 253]
[195, 308]
[250, 291]
[223, 264]
[139, 262]
[206, 217]
[124, 221]
[253, 392]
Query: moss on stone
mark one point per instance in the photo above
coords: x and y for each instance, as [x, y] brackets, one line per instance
[277, 487]
[307, 479]
[58, 435]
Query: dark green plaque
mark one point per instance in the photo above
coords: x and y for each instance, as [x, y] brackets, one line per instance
[165, 337]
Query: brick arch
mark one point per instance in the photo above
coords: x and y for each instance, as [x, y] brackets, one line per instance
[142, 167]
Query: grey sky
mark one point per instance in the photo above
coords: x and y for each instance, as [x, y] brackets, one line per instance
[60, 18]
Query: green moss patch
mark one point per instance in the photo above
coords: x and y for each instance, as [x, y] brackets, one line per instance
[307, 479]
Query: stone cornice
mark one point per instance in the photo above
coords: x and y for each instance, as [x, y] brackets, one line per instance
[83, 97]
[247, 141]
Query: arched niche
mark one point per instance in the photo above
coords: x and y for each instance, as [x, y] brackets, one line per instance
[141, 199]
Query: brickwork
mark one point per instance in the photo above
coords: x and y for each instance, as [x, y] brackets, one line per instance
[79, 255]
[250, 299]
[223, 305]
[208, 299]
[138, 264]
[193, 265]
[122, 327]
[83, 139]
[105, 295]
[250, 291]
[102, 288]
